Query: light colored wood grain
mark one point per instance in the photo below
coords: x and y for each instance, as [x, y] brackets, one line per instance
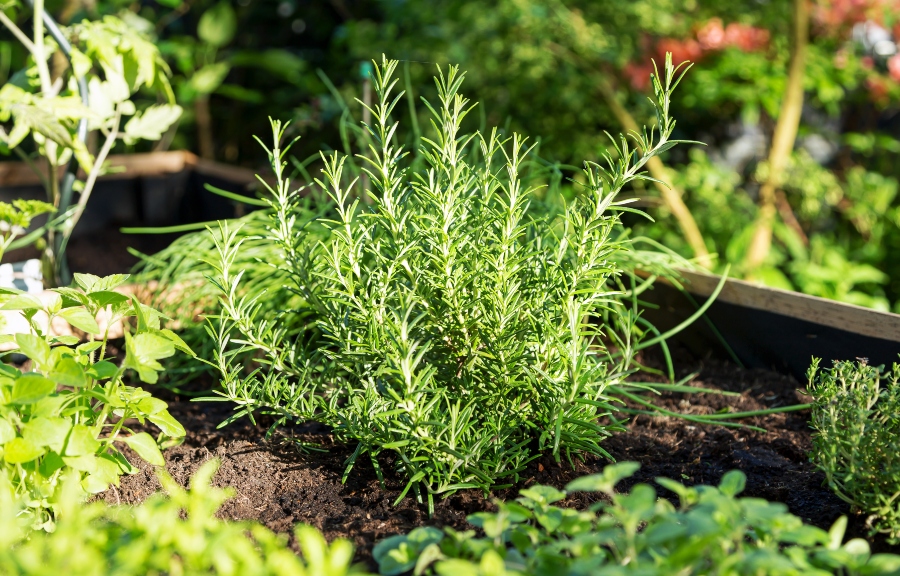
[855, 319]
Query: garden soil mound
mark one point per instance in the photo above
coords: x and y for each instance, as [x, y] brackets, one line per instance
[279, 483]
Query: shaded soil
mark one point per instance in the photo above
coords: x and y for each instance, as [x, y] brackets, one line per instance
[103, 252]
[280, 485]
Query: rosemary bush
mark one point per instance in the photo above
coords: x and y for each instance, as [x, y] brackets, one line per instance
[443, 320]
[856, 417]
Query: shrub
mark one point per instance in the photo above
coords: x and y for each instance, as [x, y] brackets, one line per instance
[856, 418]
[710, 532]
[175, 533]
[444, 320]
[68, 409]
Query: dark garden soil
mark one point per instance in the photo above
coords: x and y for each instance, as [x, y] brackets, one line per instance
[279, 485]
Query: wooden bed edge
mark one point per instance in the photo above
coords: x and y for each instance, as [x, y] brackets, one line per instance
[839, 315]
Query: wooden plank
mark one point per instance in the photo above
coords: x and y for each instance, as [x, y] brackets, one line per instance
[849, 317]
[124, 166]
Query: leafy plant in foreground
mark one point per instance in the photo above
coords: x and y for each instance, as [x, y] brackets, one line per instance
[67, 410]
[108, 63]
[710, 532]
[856, 418]
[175, 533]
[445, 322]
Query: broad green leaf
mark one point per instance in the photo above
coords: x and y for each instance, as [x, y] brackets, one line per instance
[68, 372]
[177, 341]
[84, 463]
[150, 406]
[152, 123]
[49, 432]
[146, 448]
[23, 302]
[86, 281]
[31, 387]
[208, 79]
[49, 406]
[103, 298]
[142, 352]
[102, 370]
[169, 425]
[81, 442]
[733, 483]
[218, 24]
[19, 450]
[107, 283]
[82, 319]
[106, 472]
[50, 463]
[7, 431]
[34, 347]
[543, 494]
[606, 480]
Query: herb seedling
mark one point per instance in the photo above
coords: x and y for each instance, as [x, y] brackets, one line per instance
[172, 533]
[68, 410]
[711, 531]
[856, 418]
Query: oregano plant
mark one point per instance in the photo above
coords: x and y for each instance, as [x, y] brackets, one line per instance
[68, 409]
[446, 322]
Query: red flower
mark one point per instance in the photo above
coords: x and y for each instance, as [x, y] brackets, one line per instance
[712, 35]
[893, 65]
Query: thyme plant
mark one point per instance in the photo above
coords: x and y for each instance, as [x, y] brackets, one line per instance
[444, 322]
[856, 423]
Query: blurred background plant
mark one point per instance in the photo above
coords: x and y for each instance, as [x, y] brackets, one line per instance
[797, 100]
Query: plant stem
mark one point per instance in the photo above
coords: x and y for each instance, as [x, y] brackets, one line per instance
[204, 127]
[40, 58]
[782, 141]
[95, 173]
[17, 32]
[657, 170]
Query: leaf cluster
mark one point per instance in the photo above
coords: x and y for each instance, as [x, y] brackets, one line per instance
[67, 409]
[445, 322]
[856, 418]
[175, 533]
[711, 531]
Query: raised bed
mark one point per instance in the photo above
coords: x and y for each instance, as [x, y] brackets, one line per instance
[154, 189]
[280, 485]
[772, 333]
[765, 327]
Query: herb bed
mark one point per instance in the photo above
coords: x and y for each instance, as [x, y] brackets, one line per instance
[280, 486]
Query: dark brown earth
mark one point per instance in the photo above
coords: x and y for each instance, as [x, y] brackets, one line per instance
[280, 485]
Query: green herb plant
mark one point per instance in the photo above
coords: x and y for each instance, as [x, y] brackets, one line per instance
[108, 63]
[15, 218]
[711, 531]
[855, 418]
[172, 533]
[68, 410]
[444, 322]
